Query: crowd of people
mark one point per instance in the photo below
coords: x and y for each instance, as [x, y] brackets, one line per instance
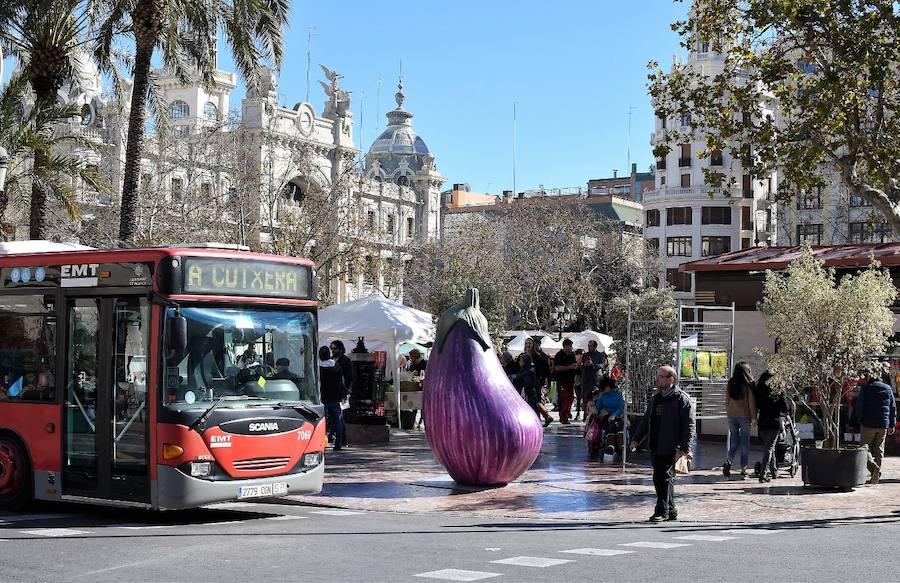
[756, 402]
[578, 375]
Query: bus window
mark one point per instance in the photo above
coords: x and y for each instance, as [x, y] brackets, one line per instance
[27, 348]
[244, 355]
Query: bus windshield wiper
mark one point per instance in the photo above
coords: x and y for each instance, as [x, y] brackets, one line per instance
[202, 418]
[298, 406]
[301, 408]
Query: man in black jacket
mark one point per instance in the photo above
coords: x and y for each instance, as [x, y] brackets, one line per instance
[333, 391]
[771, 407]
[668, 425]
[343, 362]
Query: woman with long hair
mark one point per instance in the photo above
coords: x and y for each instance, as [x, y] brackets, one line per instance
[740, 406]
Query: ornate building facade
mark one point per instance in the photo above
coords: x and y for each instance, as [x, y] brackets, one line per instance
[387, 198]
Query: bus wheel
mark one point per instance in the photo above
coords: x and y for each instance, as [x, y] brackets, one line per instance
[15, 474]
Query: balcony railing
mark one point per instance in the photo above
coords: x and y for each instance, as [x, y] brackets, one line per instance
[684, 162]
[689, 192]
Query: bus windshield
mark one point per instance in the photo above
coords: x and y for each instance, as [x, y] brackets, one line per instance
[247, 356]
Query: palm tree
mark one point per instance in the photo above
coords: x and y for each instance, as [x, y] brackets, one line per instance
[185, 32]
[46, 36]
[33, 143]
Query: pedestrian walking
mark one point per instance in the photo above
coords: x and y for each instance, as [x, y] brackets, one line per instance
[343, 362]
[876, 411]
[740, 407]
[579, 401]
[526, 381]
[668, 425]
[541, 363]
[593, 363]
[331, 383]
[564, 365]
[510, 365]
[771, 406]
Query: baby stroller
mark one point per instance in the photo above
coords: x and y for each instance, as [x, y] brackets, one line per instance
[787, 449]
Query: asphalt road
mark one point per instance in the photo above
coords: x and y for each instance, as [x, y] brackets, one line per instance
[273, 542]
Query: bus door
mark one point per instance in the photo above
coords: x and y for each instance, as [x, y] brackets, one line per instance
[106, 416]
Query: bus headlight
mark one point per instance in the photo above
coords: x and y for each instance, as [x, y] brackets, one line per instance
[201, 469]
[311, 459]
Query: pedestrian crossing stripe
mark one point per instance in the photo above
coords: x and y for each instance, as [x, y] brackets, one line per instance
[598, 552]
[532, 561]
[54, 532]
[458, 575]
[751, 531]
[706, 537]
[655, 545]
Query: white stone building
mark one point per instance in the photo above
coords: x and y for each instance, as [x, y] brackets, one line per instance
[394, 193]
[682, 219]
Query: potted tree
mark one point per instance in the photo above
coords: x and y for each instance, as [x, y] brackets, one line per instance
[826, 329]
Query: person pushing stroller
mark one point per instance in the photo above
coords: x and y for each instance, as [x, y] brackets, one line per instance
[773, 407]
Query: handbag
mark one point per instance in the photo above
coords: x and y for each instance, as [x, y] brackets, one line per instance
[593, 432]
[683, 465]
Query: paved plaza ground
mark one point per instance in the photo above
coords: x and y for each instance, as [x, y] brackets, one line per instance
[563, 484]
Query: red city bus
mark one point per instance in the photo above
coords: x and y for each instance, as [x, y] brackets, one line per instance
[161, 378]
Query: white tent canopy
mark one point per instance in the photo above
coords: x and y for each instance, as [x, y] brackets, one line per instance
[580, 340]
[516, 346]
[384, 323]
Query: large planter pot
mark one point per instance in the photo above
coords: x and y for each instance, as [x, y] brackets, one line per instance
[834, 468]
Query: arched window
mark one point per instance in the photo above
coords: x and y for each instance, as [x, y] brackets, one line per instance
[210, 111]
[402, 180]
[179, 109]
[293, 192]
[87, 114]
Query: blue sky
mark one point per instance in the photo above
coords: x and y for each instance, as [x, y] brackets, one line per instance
[573, 66]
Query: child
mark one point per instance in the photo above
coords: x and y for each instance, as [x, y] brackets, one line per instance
[590, 410]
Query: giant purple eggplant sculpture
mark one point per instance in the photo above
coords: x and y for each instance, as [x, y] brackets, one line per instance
[478, 426]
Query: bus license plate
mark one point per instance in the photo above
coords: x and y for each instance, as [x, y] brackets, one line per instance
[263, 490]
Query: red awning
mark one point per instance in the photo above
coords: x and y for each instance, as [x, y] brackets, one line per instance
[775, 258]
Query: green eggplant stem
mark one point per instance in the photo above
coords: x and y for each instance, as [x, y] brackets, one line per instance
[468, 312]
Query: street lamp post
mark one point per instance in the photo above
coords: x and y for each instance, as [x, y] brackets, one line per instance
[562, 314]
[760, 223]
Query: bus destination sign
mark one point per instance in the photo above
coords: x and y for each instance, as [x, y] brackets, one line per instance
[246, 278]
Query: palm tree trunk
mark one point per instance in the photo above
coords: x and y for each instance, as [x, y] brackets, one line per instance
[37, 219]
[45, 97]
[134, 148]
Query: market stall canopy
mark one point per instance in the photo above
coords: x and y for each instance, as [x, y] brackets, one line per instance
[406, 347]
[383, 323]
[580, 340]
[377, 319]
[515, 340]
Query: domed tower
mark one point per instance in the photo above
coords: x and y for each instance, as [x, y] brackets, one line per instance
[400, 156]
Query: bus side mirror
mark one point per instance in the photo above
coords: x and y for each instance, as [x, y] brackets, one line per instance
[177, 338]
